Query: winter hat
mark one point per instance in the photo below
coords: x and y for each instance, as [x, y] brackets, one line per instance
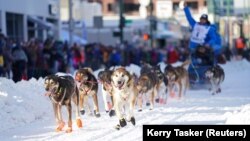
[204, 16]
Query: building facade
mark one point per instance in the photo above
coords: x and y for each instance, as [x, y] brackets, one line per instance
[111, 7]
[233, 17]
[136, 13]
[25, 19]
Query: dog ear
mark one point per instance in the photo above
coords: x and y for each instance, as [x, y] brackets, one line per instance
[49, 76]
[106, 69]
[113, 68]
[132, 73]
[89, 69]
[186, 64]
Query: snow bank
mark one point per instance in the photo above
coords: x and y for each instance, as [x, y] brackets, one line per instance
[22, 103]
[240, 117]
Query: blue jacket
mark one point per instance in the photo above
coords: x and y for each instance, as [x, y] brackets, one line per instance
[212, 38]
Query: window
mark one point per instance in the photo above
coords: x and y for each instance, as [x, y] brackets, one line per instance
[193, 5]
[225, 2]
[205, 3]
[131, 7]
[110, 7]
[40, 31]
[14, 23]
[175, 6]
[113, 7]
[31, 29]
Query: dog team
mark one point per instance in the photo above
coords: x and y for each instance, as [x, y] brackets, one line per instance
[121, 90]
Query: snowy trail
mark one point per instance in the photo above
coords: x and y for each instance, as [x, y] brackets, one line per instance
[31, 119]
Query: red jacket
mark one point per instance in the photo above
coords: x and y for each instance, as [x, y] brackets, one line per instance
[173, 57]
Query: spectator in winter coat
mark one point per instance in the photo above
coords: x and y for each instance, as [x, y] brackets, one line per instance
[173, 56]
[8, 59]
[20, 60]
[240, 44]
[115, 58]
[2, 44]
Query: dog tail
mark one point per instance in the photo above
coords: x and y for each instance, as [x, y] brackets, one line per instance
[186, 64]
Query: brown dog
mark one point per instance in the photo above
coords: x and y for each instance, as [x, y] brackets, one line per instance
[147, 87]
[61, 89]
[88, 86]
[177, 76]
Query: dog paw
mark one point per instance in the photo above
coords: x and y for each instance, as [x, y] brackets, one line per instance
[97, 114]
[79, 123]
[117, 127]
[172, 94]
[140, 110]
[147, 104]
[106, 111]
[122, 122]
[112, 113]
[69, 130]
[218, 90]
[132, 120]
[157, 100]
[60, 127]
[82, 112]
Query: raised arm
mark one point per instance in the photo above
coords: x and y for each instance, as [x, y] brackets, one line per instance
[189, 17]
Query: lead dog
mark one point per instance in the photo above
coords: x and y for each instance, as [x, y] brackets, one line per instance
[125, 93]
[61, 90]
[216, 76]
[88, 87]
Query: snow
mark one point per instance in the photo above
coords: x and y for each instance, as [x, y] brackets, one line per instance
[27, 113]
[241, 116]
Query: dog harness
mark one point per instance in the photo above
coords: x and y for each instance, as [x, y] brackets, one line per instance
[89, 89]
[60, 102]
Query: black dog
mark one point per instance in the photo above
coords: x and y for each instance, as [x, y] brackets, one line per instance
[161, 81]
[88, 86]
[61, 89]
[216, 76]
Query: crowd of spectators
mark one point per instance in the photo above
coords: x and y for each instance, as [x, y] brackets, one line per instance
[35, 58]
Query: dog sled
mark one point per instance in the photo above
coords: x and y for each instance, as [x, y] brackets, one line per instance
[202, 59]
